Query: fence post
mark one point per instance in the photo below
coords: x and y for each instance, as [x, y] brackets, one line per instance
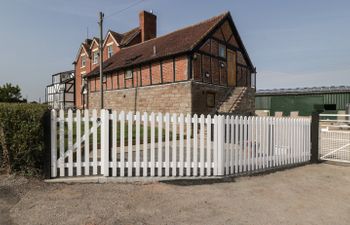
[46, 122]
[105, 142]
[53, 134]
[314, 137]
[221, 144]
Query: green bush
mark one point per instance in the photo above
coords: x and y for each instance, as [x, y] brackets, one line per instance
[22, 140]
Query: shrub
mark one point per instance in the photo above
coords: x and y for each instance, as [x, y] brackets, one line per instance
[22, 140]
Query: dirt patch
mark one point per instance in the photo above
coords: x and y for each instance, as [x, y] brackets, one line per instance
[313, 194]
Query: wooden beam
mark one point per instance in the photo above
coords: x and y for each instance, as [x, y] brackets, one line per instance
[161, 71]
[174, 69]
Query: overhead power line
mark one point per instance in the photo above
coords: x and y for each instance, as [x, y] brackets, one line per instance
[126, 8]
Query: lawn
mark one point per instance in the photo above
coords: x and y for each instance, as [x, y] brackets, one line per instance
[126, 134]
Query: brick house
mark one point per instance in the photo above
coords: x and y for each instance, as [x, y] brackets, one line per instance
[202, 68]
[87, 58]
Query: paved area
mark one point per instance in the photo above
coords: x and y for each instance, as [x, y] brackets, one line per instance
[312, 194]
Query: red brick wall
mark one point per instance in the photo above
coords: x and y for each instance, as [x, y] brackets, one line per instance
[92, 85]
[97, 84]
[109, 82]
[121, 79]
[105, 48]
[94, 46]
[148, 25]
[78, 79]
[115, 80]
[181, 69]
[145, 76]
[156, 79]
[168, 71]
[128, 82]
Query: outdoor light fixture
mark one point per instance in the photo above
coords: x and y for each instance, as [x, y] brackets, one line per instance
[207, 75]
[222, 65]
[195, 57]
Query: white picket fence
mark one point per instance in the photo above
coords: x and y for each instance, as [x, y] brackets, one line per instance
[120, 144]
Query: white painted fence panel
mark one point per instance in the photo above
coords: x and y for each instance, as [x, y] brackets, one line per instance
[127, 144]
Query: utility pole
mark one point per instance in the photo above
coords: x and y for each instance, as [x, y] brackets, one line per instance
[100, 23]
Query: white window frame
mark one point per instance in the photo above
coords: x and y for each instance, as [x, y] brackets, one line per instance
[95, 57]
[109, 51]
[128, 74]
[83, 61]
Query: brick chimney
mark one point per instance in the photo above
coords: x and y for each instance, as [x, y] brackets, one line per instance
[148, 25]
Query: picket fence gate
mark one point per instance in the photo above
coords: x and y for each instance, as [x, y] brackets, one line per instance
[126, 144]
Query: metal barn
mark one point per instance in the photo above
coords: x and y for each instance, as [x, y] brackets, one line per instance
[303, 100]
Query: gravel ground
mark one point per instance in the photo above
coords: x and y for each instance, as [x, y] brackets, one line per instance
[312, 194]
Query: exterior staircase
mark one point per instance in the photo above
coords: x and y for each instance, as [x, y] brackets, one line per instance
[231, 102]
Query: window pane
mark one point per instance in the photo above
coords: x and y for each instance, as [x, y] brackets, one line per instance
[110, 51]
[222, 51]
[83, 61]
[95, 57]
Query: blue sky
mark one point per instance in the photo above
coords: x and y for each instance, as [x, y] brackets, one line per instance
[293, 43]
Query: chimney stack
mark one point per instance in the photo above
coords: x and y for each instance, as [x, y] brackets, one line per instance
[148, 25]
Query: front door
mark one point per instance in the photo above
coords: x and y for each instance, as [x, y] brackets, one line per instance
[231, 68]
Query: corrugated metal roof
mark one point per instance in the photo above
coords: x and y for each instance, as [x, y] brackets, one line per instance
[304, 90]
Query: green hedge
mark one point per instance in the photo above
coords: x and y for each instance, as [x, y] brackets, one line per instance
[22, 137]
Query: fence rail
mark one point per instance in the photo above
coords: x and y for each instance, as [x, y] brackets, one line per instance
[127, 144]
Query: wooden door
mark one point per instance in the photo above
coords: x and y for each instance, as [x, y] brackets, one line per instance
[231, 68]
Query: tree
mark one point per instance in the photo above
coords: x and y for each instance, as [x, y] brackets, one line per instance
[9, 93]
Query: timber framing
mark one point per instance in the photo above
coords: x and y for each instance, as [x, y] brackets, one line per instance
[210, 62]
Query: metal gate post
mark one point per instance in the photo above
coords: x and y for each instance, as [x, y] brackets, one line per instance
[315, 137]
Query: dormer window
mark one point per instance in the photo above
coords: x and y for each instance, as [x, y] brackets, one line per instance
[83, 61]
[109, 51]
[95, 57]
[222, 51]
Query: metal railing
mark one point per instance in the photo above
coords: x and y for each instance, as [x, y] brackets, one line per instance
[335, 137]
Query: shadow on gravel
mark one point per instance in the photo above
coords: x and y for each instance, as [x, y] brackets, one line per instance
[192, 182]
[228, 179]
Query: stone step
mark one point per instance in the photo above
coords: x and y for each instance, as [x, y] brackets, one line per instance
[233, 100]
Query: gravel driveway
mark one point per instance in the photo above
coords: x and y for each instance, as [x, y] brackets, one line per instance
[312, 194]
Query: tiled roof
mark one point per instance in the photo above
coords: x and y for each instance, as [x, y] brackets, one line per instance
[125, 38]
[304, 90]
[86, 44]
[129, 36]
[177, 42]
